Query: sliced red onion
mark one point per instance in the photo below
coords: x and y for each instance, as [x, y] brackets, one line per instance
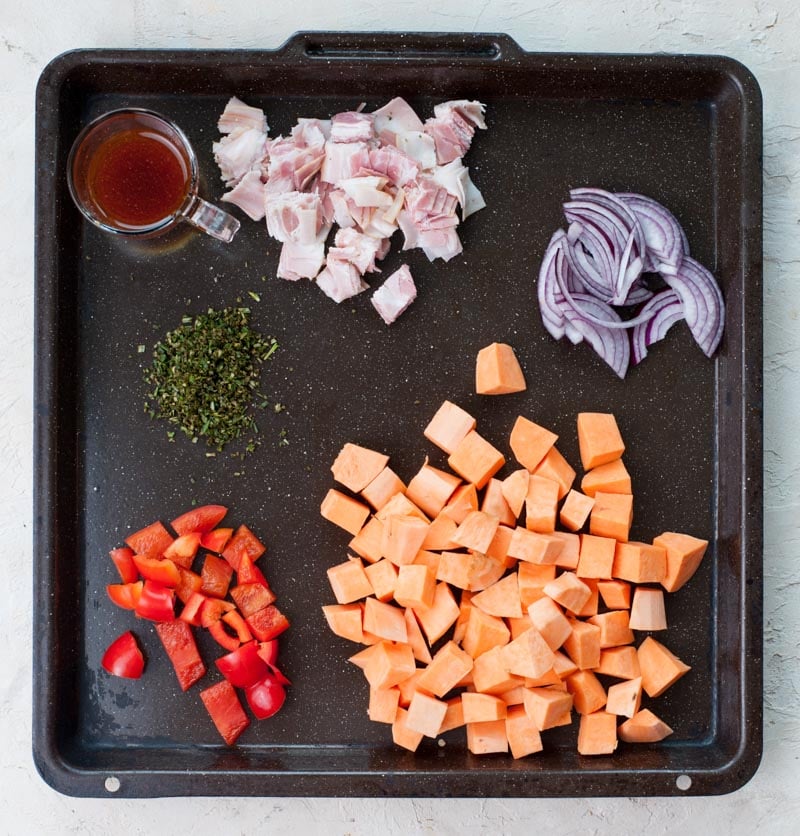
[667, 309]
[702, 301]
[663, 234]
[611, 345]
[618, 207]
[547, 288]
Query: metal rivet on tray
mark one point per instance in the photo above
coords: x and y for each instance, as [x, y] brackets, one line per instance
[683, 782]
[112, 783]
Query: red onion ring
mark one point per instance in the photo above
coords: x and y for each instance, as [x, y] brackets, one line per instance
[668, 309]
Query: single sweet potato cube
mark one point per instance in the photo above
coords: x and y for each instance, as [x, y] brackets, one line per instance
[514, 696]
[385, 621]
[463, 502]
[660, 668]
[517, 626]
[563, 665]
[614, 628]
[476, 460]
[408, 687]
[583, 644]
[342, 510]
[575, 510]
[349, 581]
[483, 571]
[490, 673]
[644, 727]
[532, 547]
[425, 714]
[541, 505]
[449, 427]
[416, 586]
[647, 610]
[402, 538]
[454, 569]
[355, 467]
[494, 503]
[528, 655]
[476, 532]
[419, 647]
[454, 717]
[501, 598]
[498, 548]
[596, 557]
[592, 605]
[388, 664]
[619, 662]
[497, 371]
[400, 506]
[597, 734]
[367, 543]
[588, 695]
[431, 488]
[523, 736]
[569, 556]
[640, 562]
[569, 591]
[515, 489]
[383, 579]
[546, 706]
[361, 658]
[487, 738]
[684, 554]
[440, 533]
[429, 559]
[532, 578]
[608, 478]
[612, 516]
[548, 619]
[402, 734]
[625, 698]
[616, 595]
[482, 708]
[530, 443]
[483, 632]
[345, 620]
[383, 704]
[599, 439]
[555, 467]
[382, 488]
[449, 665]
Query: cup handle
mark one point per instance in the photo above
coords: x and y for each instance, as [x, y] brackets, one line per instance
[212, 220]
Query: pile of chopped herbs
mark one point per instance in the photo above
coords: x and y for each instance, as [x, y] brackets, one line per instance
[204, 377]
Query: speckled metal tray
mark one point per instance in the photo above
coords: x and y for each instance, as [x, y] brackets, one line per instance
[684, 129]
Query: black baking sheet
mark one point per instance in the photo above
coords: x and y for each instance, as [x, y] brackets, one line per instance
[683, 129]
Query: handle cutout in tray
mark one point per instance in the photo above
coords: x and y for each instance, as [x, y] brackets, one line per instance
[483, 52]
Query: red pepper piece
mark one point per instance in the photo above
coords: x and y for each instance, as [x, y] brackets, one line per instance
[234, 620]
[156, 602]
[151, 541]
[265, 698]
[252, 597]
[268, 623]
[248, 572]
[225, 709]
[268, 651]
[191, 612]
[216, 540]
[189, 583]
[243, 542]
[156, 569]
[200, 519]
[123, 657]
[222, 636]
[216, 574]
[178, 641]
[125, 595]
[213, 610]
[243, 667]
[123, 560]
[182, 551]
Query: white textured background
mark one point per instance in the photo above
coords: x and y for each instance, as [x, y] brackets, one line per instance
[766, 37]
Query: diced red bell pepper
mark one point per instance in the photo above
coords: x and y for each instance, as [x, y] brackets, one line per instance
[225, 709]
[266, 697]
[248, 572]
[216, 540]
[151, 541]
[200, 519]
[268, 651]
[268, 623]
[157, 602]
[243, 667]
[178, 641]
[125, 595]
[123, 657]
[216, 575]
[252, 597]
[279, 677]
[123, 560]
[189, 583]
[182, 551]
[234, 620]
[213, 609]
[243, 542]
[191, 612]
[222, 636]
[156, 569]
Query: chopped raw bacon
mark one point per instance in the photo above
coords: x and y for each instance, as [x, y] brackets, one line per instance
[340, 280]
[395, 295]
[352, 127]
[294, 216]
[248, 194]
[357, 248]
[301, 261]
[239, 115]
[396, 116]
[240, 151]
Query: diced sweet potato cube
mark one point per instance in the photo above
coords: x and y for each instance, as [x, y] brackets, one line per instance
[583, 644]
[400, 506]
[388, 664]
[515, 489]
[647, 610]
[402, 538]
[532, 547]
[599, 439]
[498, 548]
[660, 667]
[523, 736]
[449, 427]
[473, 571]
[454, 568]
[596, 557]
[463, 502]
[588, 694]
[449, 665]
[431, 488]
[625, 698]
[541, 504]
[494, 503]
[344, 511]
[476, 460]
[482, 708]
[402, 734]
[497, 371]
[555, 467]
[382, 488]
[367, 543]
[383, 578]
[440, 533]
[592, 605]
[517, 626]
[644, 727]
[530, 443]
[608, 478]
[514, 696]
[361, 658]
[614, 628]
[616, 595]
[487, 738]
[490, 673]
[345, 620]
[569, 555]
[416, 586]
[619, 662]
[575, 510]
[483, 632]
[385, 621]
[532, 578]
[383, 704]
[476, 532]
[612, 515]
[548, 619]
[355, 467]
[501, 598]
[429, 559]
[684, 554]
[408, 687]
[569, 591]
[425, 714]
[528, 655]
[597, 734]
[640, 563]
[454, 718]
[349, 581]
[546, 706]
[419, 647]
[563, 665]
[438, 619]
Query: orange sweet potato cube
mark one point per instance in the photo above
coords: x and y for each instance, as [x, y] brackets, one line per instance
[400, 506]
[383, 578]
[596, 557]
[616, 595]
[588, 695]
[515, 489]
[449, 665]
[625, 698]
[619, 662]
[569, 591]
[463, 501]
[355, 467]
[416, 586]
[449, 426]
[382, 488]
[554, 466]
[482, 708]
[551, 623]
[402, 734]
[419, 647]
[385, 620]
[494, 503]
[684, 554]
[644, 727]
[569, 555]
[367, 543]
[476, 532]
[609, 478]
[528, 655]
[483, 632]
[497, 371]
[640, 563]
[647, 609]
[541, 504]
[345, 620]
[546, 706]
[431, 488]
[532, 547]
[501, 598]
[614, 628]
[530, 443]
[403, 536]
[563, 665]
[476, 460]
[440, 533]
[575, 510]
[612, 515]
[383, 704]
[597, 734]
[532, 578]
[490, 673]
[487, 738]
[599, 439]
[454, 717]
[349, 581]
[388, 664]
[592, 605]
[583, 644]
[344, 511]
[425, 714]
[498, 548]
[660, 667]
[523, 736]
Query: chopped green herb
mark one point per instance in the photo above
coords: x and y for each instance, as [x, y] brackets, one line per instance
[253, 295]
[140, 349]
